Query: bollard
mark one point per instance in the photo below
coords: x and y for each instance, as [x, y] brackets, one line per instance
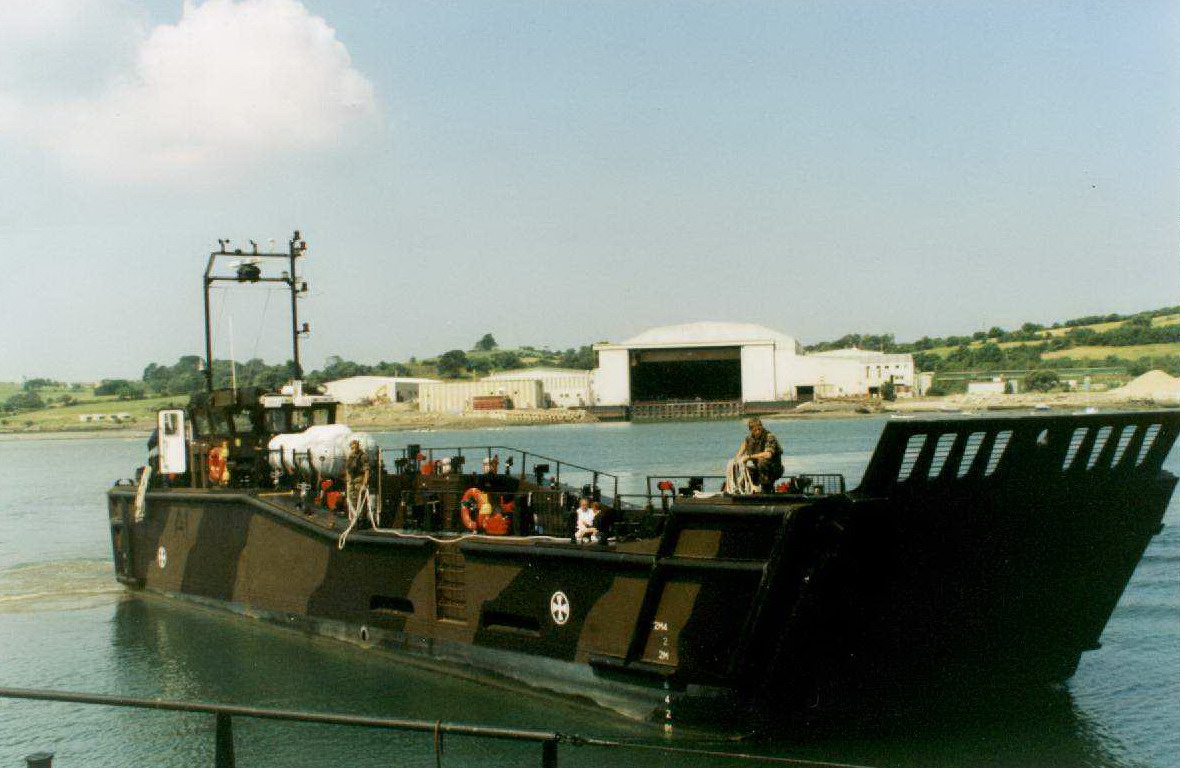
[549, 753]
[39, 760]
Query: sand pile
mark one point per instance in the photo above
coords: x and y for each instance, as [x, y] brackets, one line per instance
[1153, 385]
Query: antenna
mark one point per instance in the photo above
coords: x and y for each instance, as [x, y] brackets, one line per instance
[233, 366]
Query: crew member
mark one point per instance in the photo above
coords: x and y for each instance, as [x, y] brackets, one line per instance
[356, 472]
[762, 455]
[584, 531]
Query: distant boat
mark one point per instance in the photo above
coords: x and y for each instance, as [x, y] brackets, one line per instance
[1041, 407]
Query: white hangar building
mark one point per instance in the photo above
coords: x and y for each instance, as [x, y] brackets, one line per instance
[714, 361]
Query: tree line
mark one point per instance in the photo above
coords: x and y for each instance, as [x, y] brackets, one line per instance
[980, 348]
[187, 375]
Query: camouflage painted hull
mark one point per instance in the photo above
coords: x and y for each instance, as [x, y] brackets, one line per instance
[975, 551]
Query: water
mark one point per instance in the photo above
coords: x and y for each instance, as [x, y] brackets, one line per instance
[65, 623]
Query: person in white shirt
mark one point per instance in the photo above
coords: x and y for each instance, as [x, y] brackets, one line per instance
[585, 532]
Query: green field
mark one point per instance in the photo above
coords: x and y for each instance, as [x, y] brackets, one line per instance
[1097, 328]
[141, 415]
[1100, 327]
[1134, 352]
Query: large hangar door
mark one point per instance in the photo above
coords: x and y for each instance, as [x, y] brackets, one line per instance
[705, 373]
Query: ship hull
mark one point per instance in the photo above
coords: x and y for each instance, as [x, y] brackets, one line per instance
[976, 553]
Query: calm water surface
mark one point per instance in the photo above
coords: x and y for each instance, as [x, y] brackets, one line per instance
[65, 623]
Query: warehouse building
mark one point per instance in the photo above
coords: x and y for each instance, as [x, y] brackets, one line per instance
[561, 387]
[375, 389]
[743, 363]
[464, 396]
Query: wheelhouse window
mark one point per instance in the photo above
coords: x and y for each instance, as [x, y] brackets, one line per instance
[218, 422]
[201, 422]
[277, 420]
[322, 415]
[242, 422]
[300, 419]
[171, 424]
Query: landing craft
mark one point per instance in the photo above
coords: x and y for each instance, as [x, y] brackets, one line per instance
[974, 552]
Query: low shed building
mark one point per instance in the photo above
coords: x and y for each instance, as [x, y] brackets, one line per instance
[459, 396]
[376, 389]
[562, 387]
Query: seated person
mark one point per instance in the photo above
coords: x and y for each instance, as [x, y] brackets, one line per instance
[584, 530]
[762, 455]
[603, 522]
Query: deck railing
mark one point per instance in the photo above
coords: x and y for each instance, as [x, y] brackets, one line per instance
[524, 463]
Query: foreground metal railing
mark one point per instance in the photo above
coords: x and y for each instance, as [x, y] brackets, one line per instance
[223, 755]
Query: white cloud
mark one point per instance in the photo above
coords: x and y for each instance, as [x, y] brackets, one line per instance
[232, 84]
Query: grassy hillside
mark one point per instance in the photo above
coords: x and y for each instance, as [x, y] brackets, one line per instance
[1134, 352]
[142, 415]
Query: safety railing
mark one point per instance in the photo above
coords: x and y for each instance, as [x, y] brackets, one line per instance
[437, 730]
[806, 483]
[512, 461]
[529, 513]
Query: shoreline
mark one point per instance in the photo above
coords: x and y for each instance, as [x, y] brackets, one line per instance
[400, 417]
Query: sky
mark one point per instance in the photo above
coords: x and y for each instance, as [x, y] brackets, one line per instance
[559, 173]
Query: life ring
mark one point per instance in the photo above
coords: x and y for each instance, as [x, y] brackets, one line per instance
[473, 500]
[217, 465]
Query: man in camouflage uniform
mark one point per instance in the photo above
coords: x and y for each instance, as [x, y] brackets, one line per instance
[763, 456]
[356, 471]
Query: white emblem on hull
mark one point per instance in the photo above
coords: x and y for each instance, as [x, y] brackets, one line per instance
[559, 608]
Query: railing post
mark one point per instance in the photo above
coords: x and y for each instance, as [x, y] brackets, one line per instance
[549, 753]
[39, 760]
[223, 749]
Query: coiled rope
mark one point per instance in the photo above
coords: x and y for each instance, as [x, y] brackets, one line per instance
[364, 501]
[737, 478]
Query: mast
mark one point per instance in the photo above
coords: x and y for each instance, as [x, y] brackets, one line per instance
[247, 269]
[296, 248]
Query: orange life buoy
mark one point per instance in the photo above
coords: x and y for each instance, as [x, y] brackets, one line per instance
[496, 525]
[472, 501]
[217, 465]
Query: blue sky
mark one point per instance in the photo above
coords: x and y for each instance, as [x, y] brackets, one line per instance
[561, 173]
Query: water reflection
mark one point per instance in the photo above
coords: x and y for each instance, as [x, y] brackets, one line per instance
[179, 651]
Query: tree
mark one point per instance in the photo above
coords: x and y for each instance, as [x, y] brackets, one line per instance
[452, 364]
[182, 378]
[888, 391]
[487, 343]
[1041, 380]
[582, 357]
[24, 401]
[503, 360]
[32, 385]
[121, 388]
